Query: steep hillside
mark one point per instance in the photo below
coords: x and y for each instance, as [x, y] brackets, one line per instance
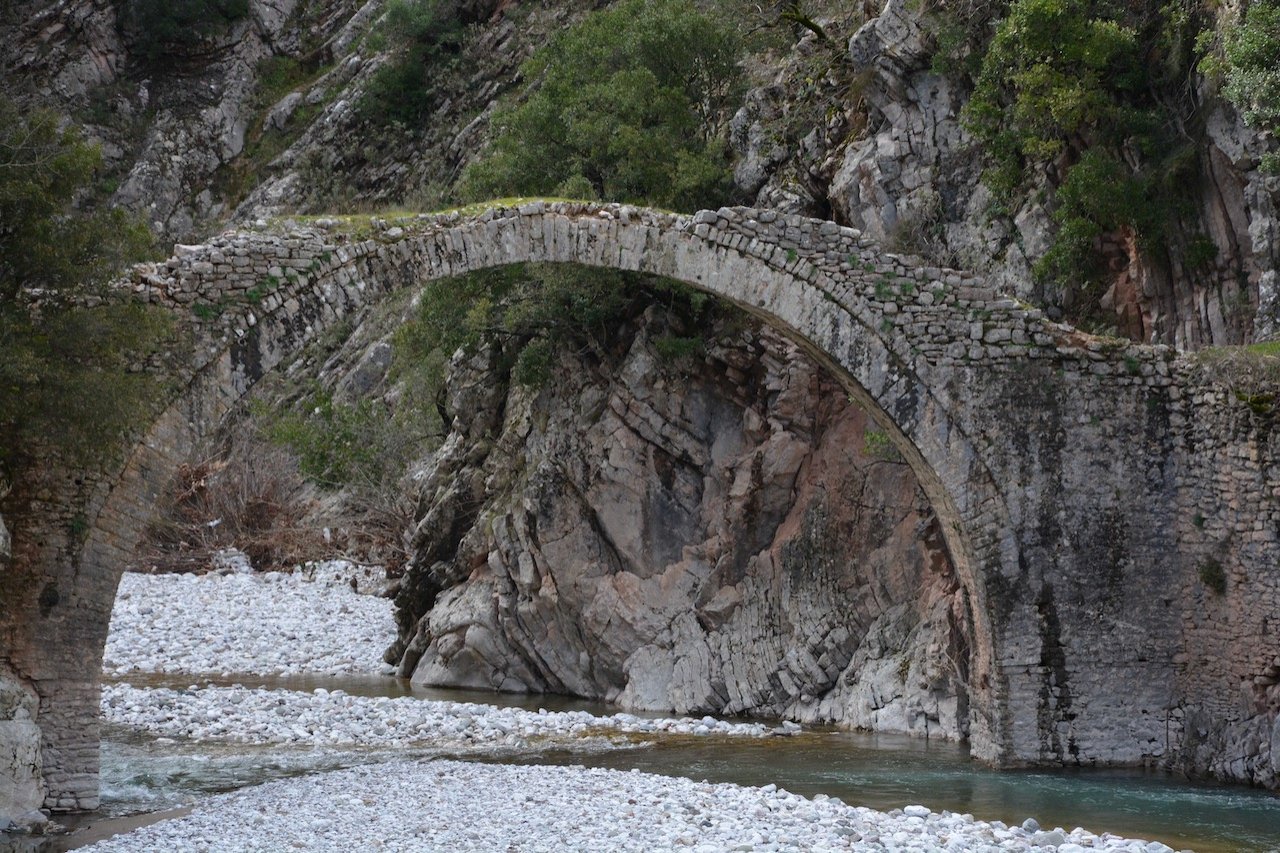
[854, 113]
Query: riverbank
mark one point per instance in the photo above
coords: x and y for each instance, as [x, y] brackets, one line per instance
[218, 624]
[461, 806]
[336, 718]
[269, 624]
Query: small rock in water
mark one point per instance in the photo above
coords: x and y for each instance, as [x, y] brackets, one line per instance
[916, 811]
[1031, 825]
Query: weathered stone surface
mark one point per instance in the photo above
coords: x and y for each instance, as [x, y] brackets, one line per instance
[704, 536]
[173, 131]
[1067, 472]
[21, 781]
[368, 373]
[6, 545]
[905, 170]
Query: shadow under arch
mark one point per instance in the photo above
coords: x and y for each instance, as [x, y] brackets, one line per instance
[810, 280]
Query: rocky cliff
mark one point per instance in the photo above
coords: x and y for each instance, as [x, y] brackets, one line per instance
[722, 533]
[896, 160]
[851, 119]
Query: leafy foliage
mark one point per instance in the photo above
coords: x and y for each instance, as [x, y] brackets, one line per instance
[630, 105]
[1087, 92]
[1056, 70]
[340, 444]
[45, 243]
[426, 37]
[1253, 56]
[530, 312]
[70, 368]
[1249, 61]
[68, 378]
[525, 309]
[157, 29]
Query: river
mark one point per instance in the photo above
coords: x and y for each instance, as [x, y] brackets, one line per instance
[141, 774]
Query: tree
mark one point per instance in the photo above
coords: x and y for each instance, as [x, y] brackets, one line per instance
[426, 38]
[67, 353]
[45, 243]
[630, 105]
[1090, 95]
[1253, 70]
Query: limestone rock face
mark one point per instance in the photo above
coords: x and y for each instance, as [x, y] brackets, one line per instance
[21, 783]
[173, 129]
[910, 174]
[727, 534]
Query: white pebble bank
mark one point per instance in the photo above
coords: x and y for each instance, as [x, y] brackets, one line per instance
[272, 624]
[336, 718]
[285, 625]
[458, 807]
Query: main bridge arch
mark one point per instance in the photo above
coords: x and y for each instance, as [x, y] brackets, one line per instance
[947, 367]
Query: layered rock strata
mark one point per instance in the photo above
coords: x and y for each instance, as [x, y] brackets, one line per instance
[722, 534]
[909, 173]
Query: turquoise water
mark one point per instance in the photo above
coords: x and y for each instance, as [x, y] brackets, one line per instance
[881, 771]
[887, 772]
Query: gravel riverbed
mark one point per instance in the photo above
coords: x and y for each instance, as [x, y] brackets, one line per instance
[287, 624]
[457, 806]
[336, 718]
[268, 624]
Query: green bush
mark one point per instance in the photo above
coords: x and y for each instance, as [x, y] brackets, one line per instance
[1092, 94]
[336, 444]
[1250, 64]
[156, 29]
[517, 307]
[1253, 64]
[1213, 576]
[1056, 69]
[425, 37]
[68, 378]
[529, 312]
[629, 105]
[46, 243]
[1099, 195]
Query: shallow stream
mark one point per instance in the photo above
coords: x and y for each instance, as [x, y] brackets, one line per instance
[882, 771]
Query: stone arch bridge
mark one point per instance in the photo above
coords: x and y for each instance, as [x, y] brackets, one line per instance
[1083, 483]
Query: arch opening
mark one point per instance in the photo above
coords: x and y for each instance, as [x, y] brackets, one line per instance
[800, 304]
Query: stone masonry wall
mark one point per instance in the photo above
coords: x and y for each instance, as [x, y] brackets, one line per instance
[1062, 467]
[1229, 528]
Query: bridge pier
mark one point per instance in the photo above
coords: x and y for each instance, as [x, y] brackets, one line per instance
[49, 686]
